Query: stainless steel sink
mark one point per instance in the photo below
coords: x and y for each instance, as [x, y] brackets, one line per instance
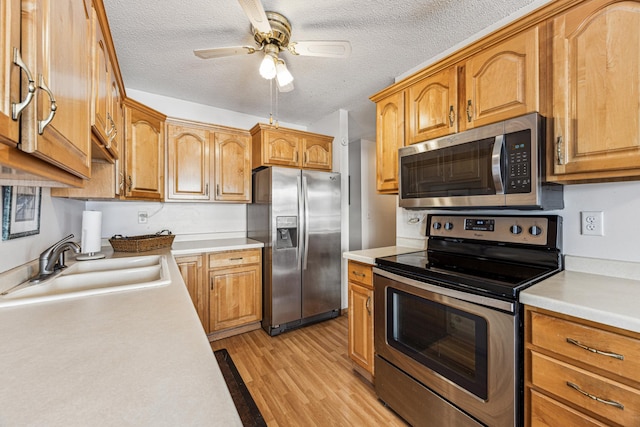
[93, 278]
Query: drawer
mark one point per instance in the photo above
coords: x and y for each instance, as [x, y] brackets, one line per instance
[361, 273]
[231, 258]
[597, 395]
[616, 353]
[546, 412]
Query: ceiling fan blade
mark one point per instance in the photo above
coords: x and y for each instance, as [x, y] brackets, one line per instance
[326, 48]
[219, 52]
[256, 14]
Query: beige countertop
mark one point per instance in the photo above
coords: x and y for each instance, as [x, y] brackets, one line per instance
[368, 256]
[131, 358]
[189, 247]
[598, 290]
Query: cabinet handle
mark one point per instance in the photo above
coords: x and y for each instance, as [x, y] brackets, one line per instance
[368, 305]
[596, 398]
[130, 185]
[211, 283]
[206, 190]
[559, 150]
[236, 259]
[452, 115]
[355, 273]
[217, 189]
[594, 350]
[306, 158]
[121, 181]
[52, 108]
[16, 109]
[469, 114]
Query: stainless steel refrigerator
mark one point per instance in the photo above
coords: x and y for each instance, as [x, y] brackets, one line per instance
[296, 214]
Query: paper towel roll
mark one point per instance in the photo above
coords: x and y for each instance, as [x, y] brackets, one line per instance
[91, 241]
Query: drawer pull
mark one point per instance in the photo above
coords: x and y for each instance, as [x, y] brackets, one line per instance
[355, 273]
[236, 259]
[594, 350]
[596, 398]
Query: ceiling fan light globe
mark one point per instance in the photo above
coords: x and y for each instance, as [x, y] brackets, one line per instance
[283, 75]
[268, 67]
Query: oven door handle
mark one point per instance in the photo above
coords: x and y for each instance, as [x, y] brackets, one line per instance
[496, 164]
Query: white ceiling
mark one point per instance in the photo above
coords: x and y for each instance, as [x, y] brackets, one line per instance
[154, 43]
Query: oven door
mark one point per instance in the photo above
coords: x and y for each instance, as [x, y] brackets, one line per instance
[452, 343]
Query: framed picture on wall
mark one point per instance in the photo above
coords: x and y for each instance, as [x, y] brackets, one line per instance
[20, 211]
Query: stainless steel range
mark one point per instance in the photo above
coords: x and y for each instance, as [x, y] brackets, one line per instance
[448, 329]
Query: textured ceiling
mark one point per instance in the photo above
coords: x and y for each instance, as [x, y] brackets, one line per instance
[154, 43]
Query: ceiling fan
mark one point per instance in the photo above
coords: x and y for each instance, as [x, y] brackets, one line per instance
[272, 33]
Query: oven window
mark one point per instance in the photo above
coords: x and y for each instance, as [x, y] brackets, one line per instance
[449, 341]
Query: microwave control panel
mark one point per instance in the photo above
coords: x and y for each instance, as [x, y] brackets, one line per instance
[518, 162]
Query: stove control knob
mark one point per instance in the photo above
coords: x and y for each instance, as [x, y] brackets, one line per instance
[534, 230]
[437, 226]
[448, 226]
[516, 229]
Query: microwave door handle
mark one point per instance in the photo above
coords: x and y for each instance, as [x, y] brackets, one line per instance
[496, 164]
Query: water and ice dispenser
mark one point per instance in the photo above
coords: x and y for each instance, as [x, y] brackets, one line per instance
[286, 232]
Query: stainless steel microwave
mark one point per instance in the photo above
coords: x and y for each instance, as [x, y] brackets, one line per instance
[500, 166]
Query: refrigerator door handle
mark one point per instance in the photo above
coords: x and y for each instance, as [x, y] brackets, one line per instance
[305, 190]
[300, 228]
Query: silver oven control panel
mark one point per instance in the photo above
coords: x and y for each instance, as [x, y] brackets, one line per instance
[531, 230]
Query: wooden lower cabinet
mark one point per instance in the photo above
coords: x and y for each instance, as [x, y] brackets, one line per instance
[360, 315]
[579, 373]
[191, 271]
[227, 291]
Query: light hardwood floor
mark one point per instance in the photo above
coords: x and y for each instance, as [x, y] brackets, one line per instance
[305, 378]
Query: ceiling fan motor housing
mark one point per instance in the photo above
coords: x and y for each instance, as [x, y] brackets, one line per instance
[280, 31]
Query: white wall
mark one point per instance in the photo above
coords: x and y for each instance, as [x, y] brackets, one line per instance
[215, 220]
[620, 203]
[178, 108]
[378, 210]
[58, 218]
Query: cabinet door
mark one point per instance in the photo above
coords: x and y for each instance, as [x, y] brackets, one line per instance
[144, 171]
[361, 326]
[433, 105]
[232, 167]
[596, 90]
[235, 297]
[503, 81]
[115, 117]
[56, 45]
[191, 272]
[317, 153]
[187, 163]
[281, 148]
[100, 124]
[9, 72]
[389, 139]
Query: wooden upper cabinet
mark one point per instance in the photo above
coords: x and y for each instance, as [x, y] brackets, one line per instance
[596, 92]
[144, 152]
[232, 166]
[502, 81]
[389, 139]
[288, 147]
[56, 48]
[317, 152]
[187, 162]
[9, 72]
[433, 106]
[101, 82]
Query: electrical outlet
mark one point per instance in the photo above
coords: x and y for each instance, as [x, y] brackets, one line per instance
[592, 223]
[142, 217]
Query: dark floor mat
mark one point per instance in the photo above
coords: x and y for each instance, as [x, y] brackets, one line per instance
[249, 412]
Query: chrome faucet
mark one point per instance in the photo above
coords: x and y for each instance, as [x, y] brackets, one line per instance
[52, 261]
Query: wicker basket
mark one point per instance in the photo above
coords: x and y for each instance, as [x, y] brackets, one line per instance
[147, 242]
